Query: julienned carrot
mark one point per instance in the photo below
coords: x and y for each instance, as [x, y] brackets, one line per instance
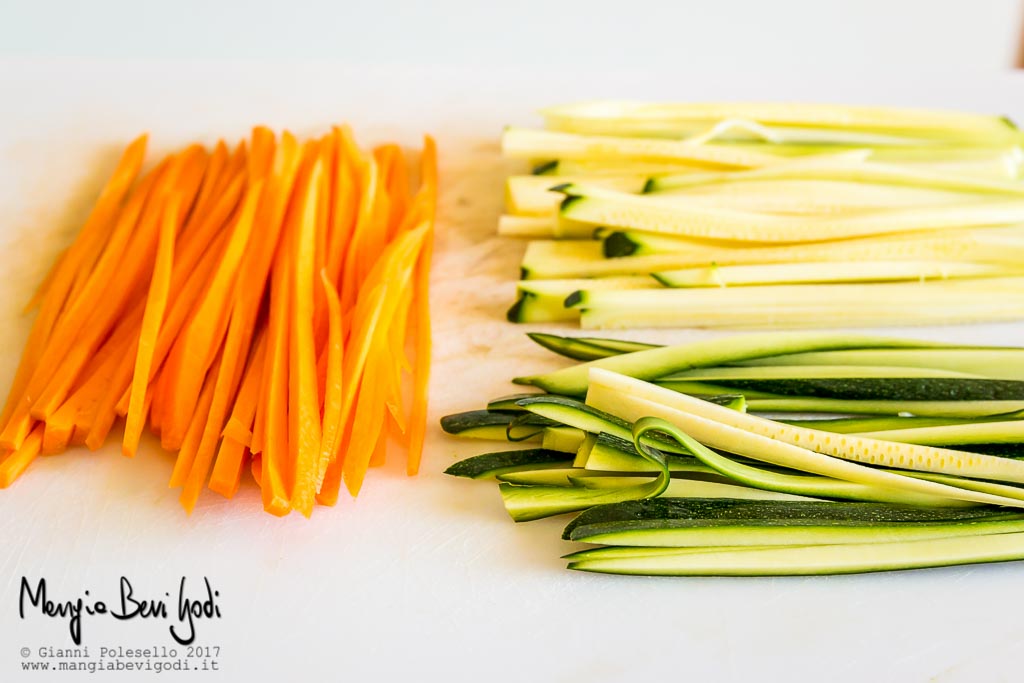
[202, 335]
[40, 354]
[232, 363]
[125, 279]
[198, 249]
[252, 304]
[16, 462]
[227, 468]
[398, 262]
[304, 408]
[275, 392]
[156, 302]
[194, 433]
[333, 384]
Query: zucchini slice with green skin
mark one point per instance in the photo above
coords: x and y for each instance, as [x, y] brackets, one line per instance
[684, 487]
[733, 373]
[887, 388]
[619, 346]
[586, 348]
[542, 301]
[526, 503]
[567, 168]
[831, 455]
[490, 465]
[850, 558]
[952, 409]
[667, 360]
[509, 404]
[825, 272]
[531, 195]
[995, 362]
[655, 213]
[710, 522]
[498, 426]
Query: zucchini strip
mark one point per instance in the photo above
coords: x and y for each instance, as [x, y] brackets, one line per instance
[947, 125]
[950, 409]
[680, 522]
[995, 362]
[800, 306]
[865, 172]
[531, 195]
[491, 465]
[797, 484]
[837, 456]
[526, 503]
[664, 361]
[654, 213]
[682, 487]
[579, 348]
[826, 272]
[542, 301]
[816, 560]
[523, 143]
[886, 388]
[1006, 431]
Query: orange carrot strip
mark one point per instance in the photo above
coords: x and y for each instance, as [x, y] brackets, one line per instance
[205, 330]
[216, 170]
[304, 409]
[345, 192]
[156, 303]
[232, 364]
[275, 382]
[256, 468]
[233, 452]
[15, 463]
[369, 416]
[227, 467]
[198, 251]
[333, 384]
[239, 425]
[380, 452]
[399, 263]
[189, 446]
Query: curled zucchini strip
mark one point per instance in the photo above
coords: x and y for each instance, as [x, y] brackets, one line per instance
[754, 477]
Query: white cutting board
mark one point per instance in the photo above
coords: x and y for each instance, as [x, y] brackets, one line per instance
[427, 577]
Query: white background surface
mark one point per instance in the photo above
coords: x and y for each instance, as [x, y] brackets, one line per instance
[426, 579]
[707, 35]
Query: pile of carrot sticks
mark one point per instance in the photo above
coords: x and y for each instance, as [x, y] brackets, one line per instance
[261, 307]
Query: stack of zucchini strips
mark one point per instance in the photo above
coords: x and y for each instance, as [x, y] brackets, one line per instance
[766, 216]
[765, 453]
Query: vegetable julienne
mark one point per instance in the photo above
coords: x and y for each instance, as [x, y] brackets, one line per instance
[251, 306]
[671, 475]
[766, 215]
